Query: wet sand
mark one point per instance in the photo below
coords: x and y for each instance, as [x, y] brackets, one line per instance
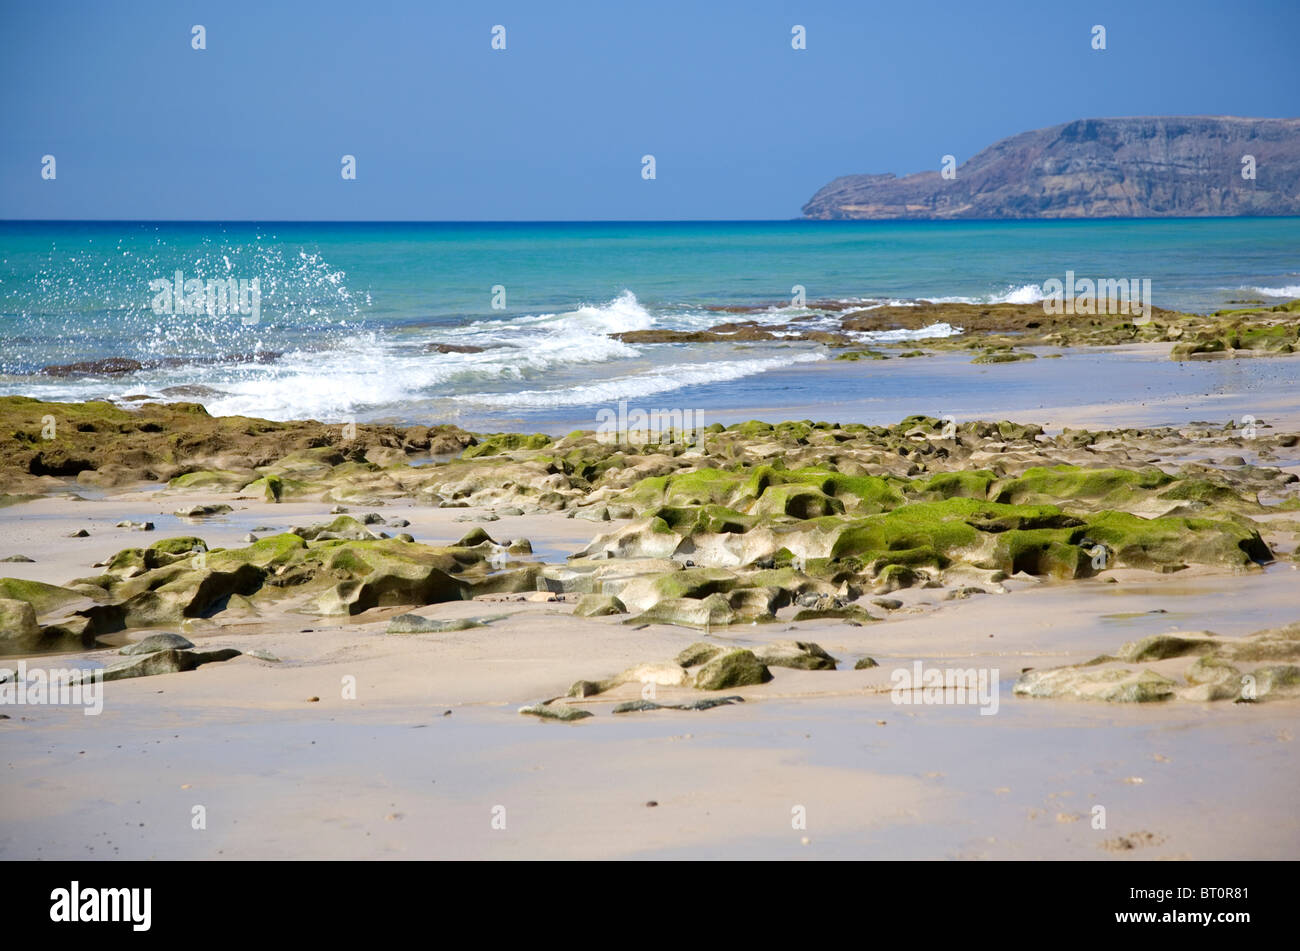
[1131, 385]
[417, 763]
[431, 759]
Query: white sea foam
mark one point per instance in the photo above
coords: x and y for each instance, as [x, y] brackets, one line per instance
[1023, 294]
[529, 361]
[1290, 290]
[929, 332]
[638, 385]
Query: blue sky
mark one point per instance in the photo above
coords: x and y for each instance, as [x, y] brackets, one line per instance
[553, 128]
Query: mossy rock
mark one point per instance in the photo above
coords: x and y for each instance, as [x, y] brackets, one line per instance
[850, 612]
[1276, 679]
[799, 655]
[1171, 541]
[18, 628]
[270, 552]
[735, 668]
[179, 545]
[797, 501]
[598, 605]
[43, 597]
[1165, 646]
[1109, 684]
[699, 653]
[1041, 485]
[700, 582]
[1004, 356]
[966, 484]
[713, 610]
[210, 480]
[274, 488]
[555, 711]
[1209, 669]
[498, 443]
[894, 577]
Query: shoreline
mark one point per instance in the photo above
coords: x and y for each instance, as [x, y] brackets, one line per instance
[715, 366]
[430, 743]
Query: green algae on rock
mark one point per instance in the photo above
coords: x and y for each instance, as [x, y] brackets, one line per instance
[1246, 669]
[734, 668]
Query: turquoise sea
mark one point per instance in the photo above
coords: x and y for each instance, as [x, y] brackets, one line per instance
[347, 312]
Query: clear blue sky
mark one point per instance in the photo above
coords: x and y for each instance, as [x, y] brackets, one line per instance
[444, 128]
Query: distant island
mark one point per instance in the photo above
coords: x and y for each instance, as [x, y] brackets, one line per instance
[1140, 167]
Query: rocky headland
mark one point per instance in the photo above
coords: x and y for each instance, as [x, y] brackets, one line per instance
[1140, 167]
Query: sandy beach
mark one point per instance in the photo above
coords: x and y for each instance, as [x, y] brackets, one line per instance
[340, 740]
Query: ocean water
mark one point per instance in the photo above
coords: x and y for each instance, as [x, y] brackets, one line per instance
[346, 313]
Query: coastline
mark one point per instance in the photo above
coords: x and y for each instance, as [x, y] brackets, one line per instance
[392, 773]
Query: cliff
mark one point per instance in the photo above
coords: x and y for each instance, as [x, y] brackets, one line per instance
[1143, 167]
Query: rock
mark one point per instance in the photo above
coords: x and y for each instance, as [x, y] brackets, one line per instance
[689, 612]
[699, 653]
[1133, 167]
[1111, 684]
[893, 577]
[1276, 680]
[44, 598]
[865, 663]
[183, 545]
[1163, 646]
[203, 511]
[167, 661]
[390, 583]
[638, 706]
[18, 628]
[709, 704]
[157, 642]
[136, 526]
[662, 675]
[212, 480]
[171, 594]
[499, 443]
[1003, 356]
[801, 655]
[962, 593]
[249, 539]
[18, 558]
[849, 612]
[736, 668]
[452, 348]
[889, 604]
[415, 624]
[398, 523]
[264, 655]
[598, 605]
[79, 533]
[110, 366]
[555, 711]
[1212, 670]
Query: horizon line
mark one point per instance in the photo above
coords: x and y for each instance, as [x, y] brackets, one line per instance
[622, 221]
